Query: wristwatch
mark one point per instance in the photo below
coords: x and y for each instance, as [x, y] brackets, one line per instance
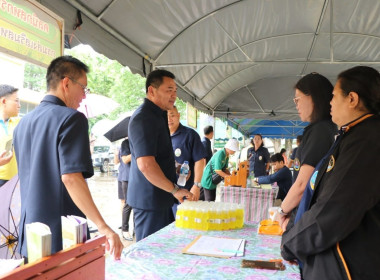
[197, 184]
[281, 212]
[176, 188]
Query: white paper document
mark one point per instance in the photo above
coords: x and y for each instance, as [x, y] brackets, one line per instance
[216, 247]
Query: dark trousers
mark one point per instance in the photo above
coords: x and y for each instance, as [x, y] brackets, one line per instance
[126, 209]
[202, 194]
[210, 194]
[148, 222]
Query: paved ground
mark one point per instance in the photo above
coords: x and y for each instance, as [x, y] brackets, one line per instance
[103, 188]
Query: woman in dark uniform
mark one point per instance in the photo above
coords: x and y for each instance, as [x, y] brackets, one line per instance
[313, 94]
[338, 237]
[258, 157]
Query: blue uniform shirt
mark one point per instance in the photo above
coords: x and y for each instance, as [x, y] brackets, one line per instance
[50, 141]
[284, 180]
[207, 146]
[187, 145]
[124, 168]
[149, 135]
[258, 160]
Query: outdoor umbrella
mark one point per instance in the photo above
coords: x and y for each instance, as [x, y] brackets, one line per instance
[10, 213]
[119, 131]
[95, 105]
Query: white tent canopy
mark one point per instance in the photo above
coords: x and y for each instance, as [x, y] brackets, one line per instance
[236, 59]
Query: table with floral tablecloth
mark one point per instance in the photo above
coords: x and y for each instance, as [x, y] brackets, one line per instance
[159, 257]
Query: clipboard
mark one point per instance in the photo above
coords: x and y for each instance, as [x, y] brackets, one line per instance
[219, 247]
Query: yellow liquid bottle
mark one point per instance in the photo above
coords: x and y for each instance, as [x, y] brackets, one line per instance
[192, 217]
[212, 218]
[240, 216]
[197, 218]
[231, 214]
[179, 217]
[218, 219]
[225, 218]
[186, 216]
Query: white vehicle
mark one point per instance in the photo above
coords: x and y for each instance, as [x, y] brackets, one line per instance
[102, 157]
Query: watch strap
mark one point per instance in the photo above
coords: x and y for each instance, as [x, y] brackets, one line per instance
[197, 184]
[176, 189]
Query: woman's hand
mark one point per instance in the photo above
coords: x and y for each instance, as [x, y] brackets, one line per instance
[284, 220]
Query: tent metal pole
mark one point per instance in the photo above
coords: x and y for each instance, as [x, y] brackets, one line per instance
[214, 125]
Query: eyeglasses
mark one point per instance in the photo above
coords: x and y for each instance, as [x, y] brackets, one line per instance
[15, 100]
[295, 99]
[85, 89]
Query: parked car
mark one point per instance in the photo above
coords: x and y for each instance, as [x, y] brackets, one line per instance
[102, 157]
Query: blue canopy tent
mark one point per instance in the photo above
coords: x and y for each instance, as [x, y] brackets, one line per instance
[268, 128]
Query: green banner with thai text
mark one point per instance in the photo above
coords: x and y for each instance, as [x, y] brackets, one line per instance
[30, 31]
[191, 115]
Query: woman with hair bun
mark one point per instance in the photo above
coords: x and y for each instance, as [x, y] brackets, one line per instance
[337, 235]
[313, 94]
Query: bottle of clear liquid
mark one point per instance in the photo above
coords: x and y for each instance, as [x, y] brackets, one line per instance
[183, 174]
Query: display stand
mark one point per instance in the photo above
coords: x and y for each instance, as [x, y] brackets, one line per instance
[238, 177]
[83, 261]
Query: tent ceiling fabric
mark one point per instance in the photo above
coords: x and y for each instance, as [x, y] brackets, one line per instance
[236, 59]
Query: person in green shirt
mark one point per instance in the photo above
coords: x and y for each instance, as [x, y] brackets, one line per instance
[217, 164]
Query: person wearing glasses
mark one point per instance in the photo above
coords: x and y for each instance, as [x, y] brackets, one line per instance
[53, 152]
[336, 236]
[9, 109]
[313, 94]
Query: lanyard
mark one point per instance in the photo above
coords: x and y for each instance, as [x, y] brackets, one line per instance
[5, 125]
[312, 183]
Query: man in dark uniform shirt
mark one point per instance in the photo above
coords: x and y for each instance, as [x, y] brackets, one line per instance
[282, 175]
[187, 146]
[52, 147]
[151, 189]
[206, 141]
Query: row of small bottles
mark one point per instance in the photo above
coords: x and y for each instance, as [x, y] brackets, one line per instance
[204, 215]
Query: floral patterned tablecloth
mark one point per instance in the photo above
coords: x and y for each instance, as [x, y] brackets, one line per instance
[159, 257]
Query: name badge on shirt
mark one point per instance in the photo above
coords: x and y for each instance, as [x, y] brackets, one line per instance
[331, 163]
[296, 164]
[177, 152]
[260, 157]
[313, 179]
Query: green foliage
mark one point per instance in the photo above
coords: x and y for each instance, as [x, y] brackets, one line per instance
[181, 107]
[106, 77]
[35, 77]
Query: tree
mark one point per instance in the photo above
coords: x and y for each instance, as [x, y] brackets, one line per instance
[106, 77]
[34, 77]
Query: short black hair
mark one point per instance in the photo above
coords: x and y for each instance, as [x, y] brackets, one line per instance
[365, 81]
[64, 66]
[299, 138]
[320, 89]
[282, 151]
[208, 129]
[156, 78]
[7, 90]
[277, 157]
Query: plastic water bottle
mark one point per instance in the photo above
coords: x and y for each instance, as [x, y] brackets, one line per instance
[183, 174]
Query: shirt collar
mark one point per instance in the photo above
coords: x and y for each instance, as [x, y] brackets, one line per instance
[53, 99]
[179, 130]
[157, 110]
